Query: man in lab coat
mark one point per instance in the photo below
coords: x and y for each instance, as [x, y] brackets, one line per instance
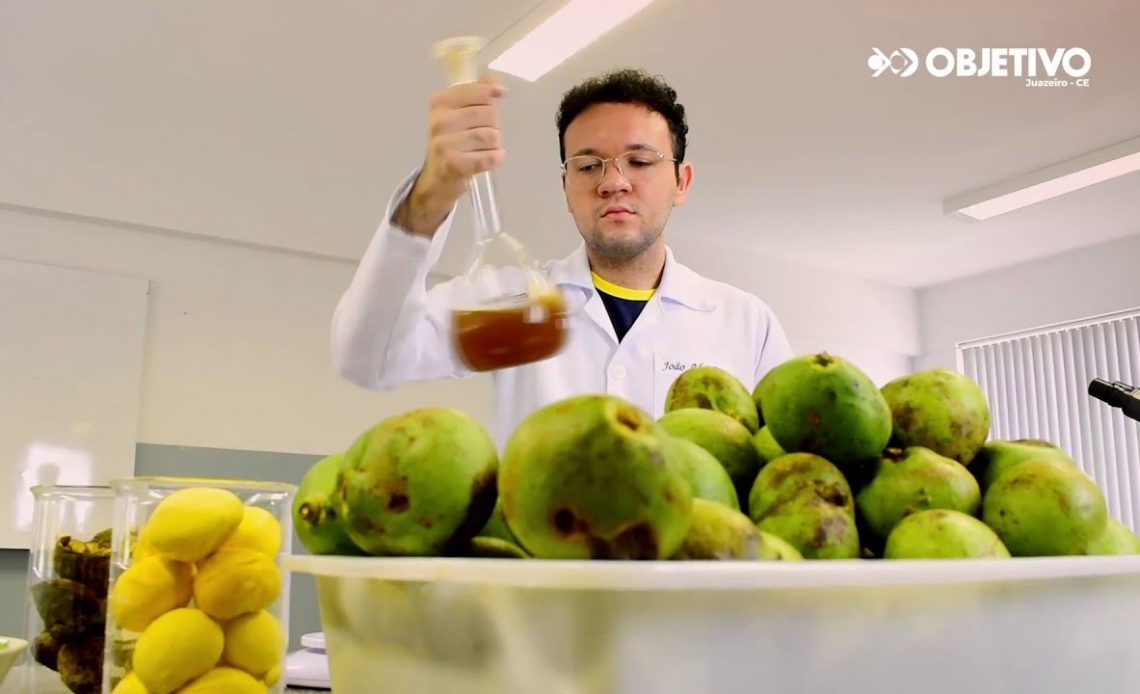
[641, 317]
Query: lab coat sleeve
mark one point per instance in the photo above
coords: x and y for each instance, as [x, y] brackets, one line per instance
[774, 347]
[387, 328]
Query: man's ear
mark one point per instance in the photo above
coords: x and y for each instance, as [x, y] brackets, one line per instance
[684, 180]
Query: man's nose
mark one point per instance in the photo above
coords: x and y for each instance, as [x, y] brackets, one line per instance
[613, 181]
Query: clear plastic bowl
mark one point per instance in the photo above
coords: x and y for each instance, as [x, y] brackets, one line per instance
[523, 626]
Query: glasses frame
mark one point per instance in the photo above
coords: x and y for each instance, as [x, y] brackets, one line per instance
[605, 160]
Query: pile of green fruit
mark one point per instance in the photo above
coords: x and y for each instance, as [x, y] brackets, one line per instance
[815, 462]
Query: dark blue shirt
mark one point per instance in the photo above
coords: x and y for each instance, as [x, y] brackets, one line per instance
[623, 305]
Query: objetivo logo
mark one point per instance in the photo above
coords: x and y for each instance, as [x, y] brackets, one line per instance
[902, 61]
[1039, 67]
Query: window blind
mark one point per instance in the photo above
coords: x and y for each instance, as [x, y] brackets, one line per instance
[1036, 383]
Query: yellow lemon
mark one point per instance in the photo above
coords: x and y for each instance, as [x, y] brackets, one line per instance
[255, 643]
[237, 581]
[149, 588]
[141, 549]
[179, 646]
[224, 680]
[131, 684]
[190, 524]
[258, 530]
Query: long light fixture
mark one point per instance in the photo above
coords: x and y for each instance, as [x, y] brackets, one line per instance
[1050, 182]
[574, 26]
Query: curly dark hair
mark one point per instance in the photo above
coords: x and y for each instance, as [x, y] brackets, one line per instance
[625, 86]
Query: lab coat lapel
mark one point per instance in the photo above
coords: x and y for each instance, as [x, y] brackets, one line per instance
[572, 274]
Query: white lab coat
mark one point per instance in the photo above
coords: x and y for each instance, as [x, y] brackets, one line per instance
[388, 329]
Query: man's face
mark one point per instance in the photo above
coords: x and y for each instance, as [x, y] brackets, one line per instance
[621, 216]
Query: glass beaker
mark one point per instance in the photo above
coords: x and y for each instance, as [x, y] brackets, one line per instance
[507, 312]
[196, 586]
[67, 585]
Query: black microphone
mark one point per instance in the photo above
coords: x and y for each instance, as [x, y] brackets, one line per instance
[1117, 394]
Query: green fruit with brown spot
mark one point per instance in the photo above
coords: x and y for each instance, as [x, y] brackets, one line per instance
[915, 479]
[943, 534]
[939, 409]
[797, 474]
[420, 483]
[316, 515]
[713, 388]
[706, 476]
[727, 439]
[1045, 507]
[588, 477]
[1116, 539]
[805, 500]
[766, 446]
[816, 528]
[996, 457]
[826, 405]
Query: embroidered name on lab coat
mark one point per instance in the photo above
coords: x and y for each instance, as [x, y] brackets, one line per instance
[679, 365]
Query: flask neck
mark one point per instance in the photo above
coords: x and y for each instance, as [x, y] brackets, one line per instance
[484, 208]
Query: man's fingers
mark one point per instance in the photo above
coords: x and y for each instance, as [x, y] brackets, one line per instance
[468, 94]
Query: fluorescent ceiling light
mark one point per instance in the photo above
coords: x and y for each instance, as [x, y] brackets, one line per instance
[573, 27]
[1086, 170]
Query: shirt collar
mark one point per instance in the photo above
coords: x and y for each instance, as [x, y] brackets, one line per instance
[679, 284]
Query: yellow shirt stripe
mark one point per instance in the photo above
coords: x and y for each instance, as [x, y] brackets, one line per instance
[621, 292]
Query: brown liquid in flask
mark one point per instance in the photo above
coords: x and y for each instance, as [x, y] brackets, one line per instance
[510, 335]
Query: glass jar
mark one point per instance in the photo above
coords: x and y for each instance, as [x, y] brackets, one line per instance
[67, 586]
[197, 592]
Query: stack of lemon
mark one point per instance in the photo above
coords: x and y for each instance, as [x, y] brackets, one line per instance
[202, 578]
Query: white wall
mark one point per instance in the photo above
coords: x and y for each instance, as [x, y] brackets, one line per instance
[237, 345]
[870, 324]
[1079, 284]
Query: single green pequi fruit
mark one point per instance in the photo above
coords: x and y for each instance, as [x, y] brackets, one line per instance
[1045, 507]
[943, 534]
[766, 446]
[316, 515]
[588, 477]
[796, 474]
[912, 480]
[727, 439]
[496, 526]
[1116, 539]
[776, 548]
[939, 409]
[713, 388]
[815, 527]
[805, 500]
[421, 483]
[996, 457]
[824, 404]
[720, 533]
[706, 476]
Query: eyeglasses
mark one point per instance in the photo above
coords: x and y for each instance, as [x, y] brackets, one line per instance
[587, 170]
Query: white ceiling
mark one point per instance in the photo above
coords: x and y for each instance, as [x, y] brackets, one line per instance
[288, 122]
